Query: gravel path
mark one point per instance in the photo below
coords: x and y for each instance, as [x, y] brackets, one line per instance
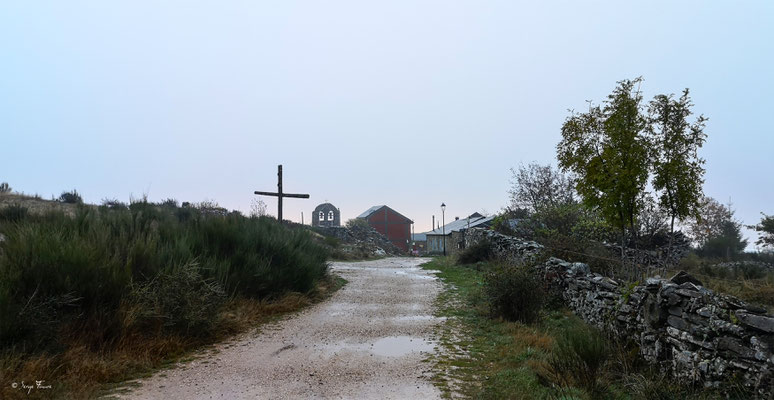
[368, 340]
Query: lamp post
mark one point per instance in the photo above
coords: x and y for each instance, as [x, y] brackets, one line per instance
[443, 224]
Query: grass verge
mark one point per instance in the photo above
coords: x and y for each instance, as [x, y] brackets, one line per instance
[556, 357]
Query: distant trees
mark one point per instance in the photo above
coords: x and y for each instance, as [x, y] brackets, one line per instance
[70, 197]
[765, 231]
[5, 188]
[715, 230]
[652, 224]
[536, 186]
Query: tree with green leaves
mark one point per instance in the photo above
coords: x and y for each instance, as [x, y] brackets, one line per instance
[765, 231]
[677, 168]
[607, 149]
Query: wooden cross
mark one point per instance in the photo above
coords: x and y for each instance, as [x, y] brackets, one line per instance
[279, 195]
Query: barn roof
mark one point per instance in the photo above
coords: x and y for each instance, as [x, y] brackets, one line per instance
[369, 211]
[374, 209]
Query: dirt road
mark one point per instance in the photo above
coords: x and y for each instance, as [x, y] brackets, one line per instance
[367, 341]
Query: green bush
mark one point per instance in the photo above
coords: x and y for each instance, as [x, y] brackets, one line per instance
[180, 300]
[481, 251]
[579, 357]
[332, 241]
[70, 197]
[5, 188]
[13, 213]
[170, 202]
[357, 223]
[113, 204]
[81, 269]
[513, 293]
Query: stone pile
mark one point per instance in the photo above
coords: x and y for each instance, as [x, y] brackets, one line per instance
[689, 331]
[505, 247]
[658, 258]
[363, 236]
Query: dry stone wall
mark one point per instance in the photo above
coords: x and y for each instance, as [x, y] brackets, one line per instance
[697, 335]
[503, 246]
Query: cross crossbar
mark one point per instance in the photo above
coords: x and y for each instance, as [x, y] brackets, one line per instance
[279, 194]
[298, 196]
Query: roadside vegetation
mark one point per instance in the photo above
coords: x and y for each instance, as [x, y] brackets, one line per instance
[541, 352]
[109, 292]
[627, 199]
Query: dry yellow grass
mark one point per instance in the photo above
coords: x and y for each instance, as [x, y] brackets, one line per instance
[35, 205]
[82, 372]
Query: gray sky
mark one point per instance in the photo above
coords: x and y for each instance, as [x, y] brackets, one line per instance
[404, 103]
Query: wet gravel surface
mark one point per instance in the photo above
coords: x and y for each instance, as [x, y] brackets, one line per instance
[369, 340]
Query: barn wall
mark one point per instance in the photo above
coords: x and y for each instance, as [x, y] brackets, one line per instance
[392, 225]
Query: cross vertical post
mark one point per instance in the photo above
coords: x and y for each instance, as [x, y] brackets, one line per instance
[280, 194]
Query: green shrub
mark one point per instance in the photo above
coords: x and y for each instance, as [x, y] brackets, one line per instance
[579, 357]
[180, 300]
[13, 213]
[332, 241]
[357, 222]
[513, 293]
[170, 202]
[70, 197]
[113, 204]
[481, 251]
[81, 269]
[5, 188]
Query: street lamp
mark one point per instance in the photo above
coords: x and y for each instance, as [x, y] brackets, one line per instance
[443, 224]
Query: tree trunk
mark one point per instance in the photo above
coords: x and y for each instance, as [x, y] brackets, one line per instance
[668, 260]
[623, 251]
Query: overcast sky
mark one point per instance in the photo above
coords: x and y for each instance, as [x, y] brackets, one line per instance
[404, 103]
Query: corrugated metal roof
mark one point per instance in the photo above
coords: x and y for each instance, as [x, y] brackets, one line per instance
[462, 223]
[369, 211]
[374, 209]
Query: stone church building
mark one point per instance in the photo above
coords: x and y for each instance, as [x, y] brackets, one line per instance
[326, 214]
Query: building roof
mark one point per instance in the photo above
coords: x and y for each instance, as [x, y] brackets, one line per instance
[321, 205]
[367, 213]
[419, 237]
[462, 223]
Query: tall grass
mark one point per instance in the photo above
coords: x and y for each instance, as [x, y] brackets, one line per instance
[108, 271]
[513, 292]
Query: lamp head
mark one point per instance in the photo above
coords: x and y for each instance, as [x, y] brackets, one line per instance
[443, 207]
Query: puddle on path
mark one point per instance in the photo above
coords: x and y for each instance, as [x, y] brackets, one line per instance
[397, 346]
[414, 318]
[391, 346]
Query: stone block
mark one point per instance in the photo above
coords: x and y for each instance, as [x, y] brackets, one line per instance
[735, 346]
[761, 322]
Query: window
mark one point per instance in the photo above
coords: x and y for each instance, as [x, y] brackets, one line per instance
[330, 215]
[322, 216]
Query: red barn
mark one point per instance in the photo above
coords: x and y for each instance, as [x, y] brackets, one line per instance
[389, 223]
